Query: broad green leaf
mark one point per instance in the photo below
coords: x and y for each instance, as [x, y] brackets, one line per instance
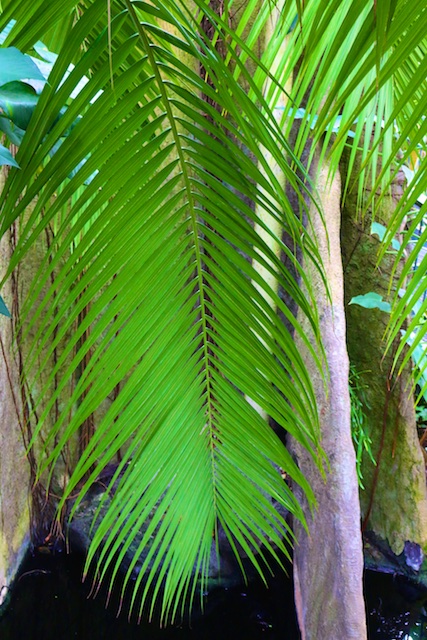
[44, 53]
[13, 133]
[14, 66]
[371, 300]
[3, 309]
[6, 158]
[17, 101]
[380, 230]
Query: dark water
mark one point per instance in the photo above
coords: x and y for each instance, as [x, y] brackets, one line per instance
[396, 609]
[50, 603]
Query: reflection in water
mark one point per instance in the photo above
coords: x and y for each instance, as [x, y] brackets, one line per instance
[397, 610]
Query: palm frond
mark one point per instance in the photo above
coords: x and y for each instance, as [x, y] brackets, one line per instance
[360, 80]
[156, 251]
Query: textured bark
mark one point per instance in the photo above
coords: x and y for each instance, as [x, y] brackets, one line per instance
[14, 466]
[394, 503]
[328, 561]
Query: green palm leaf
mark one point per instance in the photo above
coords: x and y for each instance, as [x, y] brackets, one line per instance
[147, 282]
[361, 82]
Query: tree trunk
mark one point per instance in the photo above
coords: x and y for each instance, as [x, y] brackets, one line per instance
[14, 467]
[394, 502]
[328, 560]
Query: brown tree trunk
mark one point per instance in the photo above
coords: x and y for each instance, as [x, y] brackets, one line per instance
[14, 466]
[328, 560]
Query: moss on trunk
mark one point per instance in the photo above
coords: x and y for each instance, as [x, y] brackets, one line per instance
[14, 466]
[394, 503]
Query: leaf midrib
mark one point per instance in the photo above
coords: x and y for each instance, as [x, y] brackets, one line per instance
[197, 248]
